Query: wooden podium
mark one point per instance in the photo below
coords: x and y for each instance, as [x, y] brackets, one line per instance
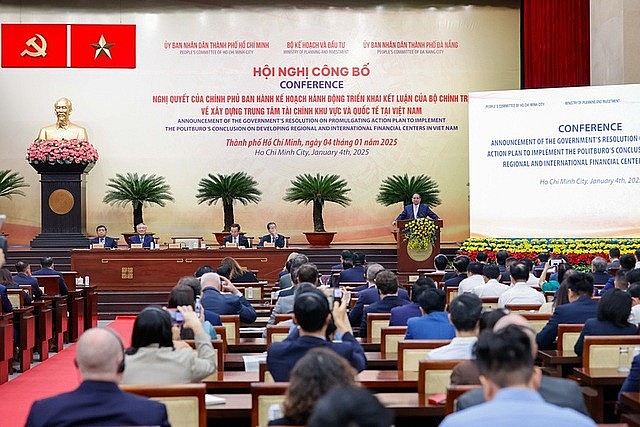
[410, 261]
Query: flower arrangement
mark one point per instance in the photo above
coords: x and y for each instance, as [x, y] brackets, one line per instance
[420, 233]
[63, 151]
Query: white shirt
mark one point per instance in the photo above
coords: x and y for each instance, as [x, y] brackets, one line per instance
[471, 282]
[634, 317]
[520, 293]
[491, 289]
[458, 348]
[533, 281]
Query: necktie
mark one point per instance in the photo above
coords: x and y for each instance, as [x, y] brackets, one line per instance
[102, 241]
[273, 239]
[415, 211]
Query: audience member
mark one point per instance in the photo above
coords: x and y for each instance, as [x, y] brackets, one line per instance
[235, 237]
[284, 304]
[273, 237]
[614, 258]
[400, 314]
[434, 324]
[612, 318]
[520, 292]
[315, 374]
[460, 264]
[356, 273]
[552, 284]
[599, 271]
[47, 269]
[141, 237]
[156, 355]
[634, 293]
[556, 391]
[183, 295]
[387, 284]
[620, 280]
[625, 262]
[98, 400]
[474, 278]
[214, 302]
[482, 257]
[103, 239]
[286, 281]
[350, 407]
[501, 260]
[316, 323]
[203, 269]
[24, 277]
[230, 269]
[532, 280]
[491, 287]
[636, 254]
[440, 263]
[464, 312]
[541, 261]
[7, 281]
[581, 307]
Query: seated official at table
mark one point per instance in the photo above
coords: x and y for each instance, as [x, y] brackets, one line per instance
[103, 239]
[416, 210]
[236, 237]
[273, 237]
[142, 236]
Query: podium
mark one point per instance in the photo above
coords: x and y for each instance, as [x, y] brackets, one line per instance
[409, 261]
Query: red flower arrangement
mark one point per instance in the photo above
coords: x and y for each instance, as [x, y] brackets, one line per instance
[53, 151]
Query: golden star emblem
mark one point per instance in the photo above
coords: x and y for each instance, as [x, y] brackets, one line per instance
[102, 47]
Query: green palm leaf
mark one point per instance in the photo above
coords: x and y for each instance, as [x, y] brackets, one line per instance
[238, 186]
[11, 183]
[318, 189]
[397, 188]
[137, 191]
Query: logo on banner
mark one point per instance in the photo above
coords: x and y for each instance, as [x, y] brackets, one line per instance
[38, 49]
[102, 47]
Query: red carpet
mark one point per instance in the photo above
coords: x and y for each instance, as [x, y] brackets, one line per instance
[53, 376]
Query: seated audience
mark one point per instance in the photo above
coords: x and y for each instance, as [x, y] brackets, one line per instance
[230, 269]
[612, 318]
[356, 273]
[6, 280]
[532, 280]
[370, 295]
[434, 323]
[286, 281]
[599, 271]
[273, 237]
[216, 303]
[553, 284]
[464, 312]
[203, 269]
[98, 400]
[474, 278]
[634, 293]
[440, 263]
[387, 284]
[614, 258]
[632, 382]
[482, 257]
[350, 407]
[24, 277]
[315, 374]
[156, 355]
[183, 295]
[579, 287]
[400, 314]
[626, 262]
[316, 325]
[346, 261]
[47, 269]
[490, 287]
[505, 359]
[460, 264]
[520, 292]
[501, 260]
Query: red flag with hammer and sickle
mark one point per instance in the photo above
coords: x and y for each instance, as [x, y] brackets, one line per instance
[34, 45]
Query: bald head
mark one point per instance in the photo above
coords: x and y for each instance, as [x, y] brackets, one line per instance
[98, 355]
[516, 319]
[211, 280]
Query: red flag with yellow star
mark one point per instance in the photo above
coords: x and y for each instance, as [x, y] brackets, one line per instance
[103, 46]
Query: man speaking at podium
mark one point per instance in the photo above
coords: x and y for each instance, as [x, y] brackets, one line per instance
[416, 210]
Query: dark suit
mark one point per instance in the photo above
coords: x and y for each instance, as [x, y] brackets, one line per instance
[366, 297]
[97, 403]
[267, 239]
[383, 306]
[109, 242]
[600, 327]
[4, 298]
[632, 383]
[23, 279]
[282, 356]
[575, 312]
[455, 281]
[213, 302]
[557, 391]
[434, 326]
[400, 315]
[353, 274]
[423, 212]
[465, 373]
[146, 240]
[62, 286]
[242, 241]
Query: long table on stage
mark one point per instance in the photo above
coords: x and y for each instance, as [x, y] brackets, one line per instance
[160, 269]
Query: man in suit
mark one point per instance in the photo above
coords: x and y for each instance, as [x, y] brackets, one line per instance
[24, 278]
[48, 270]
[434, 324]
[98, 400]
[370, 295]
[236, 237]
[400, 315]
[460, 265]
[102, 238]
[387, 284]
[273, 237]
[316, 323]
[580, 308]
[356, 273]
[231, 302]
[142, 237]
[416, 210]
[558, 391]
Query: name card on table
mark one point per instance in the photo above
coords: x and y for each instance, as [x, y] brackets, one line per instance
[136, 246]
[97, 246]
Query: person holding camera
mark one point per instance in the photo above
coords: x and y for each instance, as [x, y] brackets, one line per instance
[157, 356]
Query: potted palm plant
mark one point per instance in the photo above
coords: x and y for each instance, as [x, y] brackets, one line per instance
[11, 184]
[318, 189]
[236, 187]
[137, 191]
[400, 188]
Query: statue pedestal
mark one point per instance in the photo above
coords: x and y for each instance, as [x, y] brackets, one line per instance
[63, 211]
